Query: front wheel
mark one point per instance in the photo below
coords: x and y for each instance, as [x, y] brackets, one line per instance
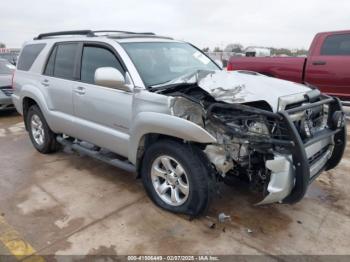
[176, 177]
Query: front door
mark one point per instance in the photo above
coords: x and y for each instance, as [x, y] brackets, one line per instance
[329, 68]
[102, 114]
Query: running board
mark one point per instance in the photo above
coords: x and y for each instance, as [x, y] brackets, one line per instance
[107, 158]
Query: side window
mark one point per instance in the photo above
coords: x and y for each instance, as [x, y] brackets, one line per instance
[95, 57]
[51, 63]
[28, 56]
[336, 45]
[65, 60]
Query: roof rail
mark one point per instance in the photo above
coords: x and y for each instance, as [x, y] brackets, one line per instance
[124, 32]
[89, 33]
[76, 32]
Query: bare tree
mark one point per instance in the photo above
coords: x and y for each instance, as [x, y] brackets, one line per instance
[217, 49]
[235, 47]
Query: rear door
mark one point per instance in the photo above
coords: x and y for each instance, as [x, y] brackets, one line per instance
[328, 67]
[58, 82]
[102, 113]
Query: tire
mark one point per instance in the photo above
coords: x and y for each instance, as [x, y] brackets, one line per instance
[43, 139]
[194, 172]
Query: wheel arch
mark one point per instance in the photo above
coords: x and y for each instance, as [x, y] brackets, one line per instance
[150, 127]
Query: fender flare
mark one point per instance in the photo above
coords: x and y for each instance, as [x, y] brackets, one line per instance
[157, 123]
[34, 94]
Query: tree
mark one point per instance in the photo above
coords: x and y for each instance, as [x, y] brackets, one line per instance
[217, 49]
[2, 45]
[236, 48]
[206, 49]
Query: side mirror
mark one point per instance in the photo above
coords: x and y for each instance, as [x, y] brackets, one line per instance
[219, 63]
[110, 77]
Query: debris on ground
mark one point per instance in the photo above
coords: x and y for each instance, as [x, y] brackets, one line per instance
[249, 230]
[211, 225]
[299, 222]
[223, 217]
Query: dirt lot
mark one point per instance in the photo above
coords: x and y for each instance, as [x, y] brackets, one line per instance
[69, 204]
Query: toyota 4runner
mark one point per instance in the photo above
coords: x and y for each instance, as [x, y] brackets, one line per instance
[162, 109]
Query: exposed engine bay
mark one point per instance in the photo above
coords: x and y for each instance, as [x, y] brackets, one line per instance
[253, 142]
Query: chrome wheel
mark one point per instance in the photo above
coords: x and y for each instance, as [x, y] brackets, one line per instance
[37, 129]
[170, 180]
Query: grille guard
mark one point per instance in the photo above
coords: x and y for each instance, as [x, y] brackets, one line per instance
[300, 160]
[294, 144]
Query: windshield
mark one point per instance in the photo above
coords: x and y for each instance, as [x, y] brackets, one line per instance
[161, 62]
[6, 68]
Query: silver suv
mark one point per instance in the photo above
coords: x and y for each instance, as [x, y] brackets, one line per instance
[162, 109]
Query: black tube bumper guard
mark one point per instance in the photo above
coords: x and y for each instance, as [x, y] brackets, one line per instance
[295, 144]
[299, 156]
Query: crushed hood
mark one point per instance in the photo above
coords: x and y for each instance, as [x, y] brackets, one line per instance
[243, 86]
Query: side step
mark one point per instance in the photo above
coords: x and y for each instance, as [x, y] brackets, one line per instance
[107, 157]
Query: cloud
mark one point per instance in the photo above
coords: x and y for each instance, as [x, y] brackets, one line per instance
[279, 23]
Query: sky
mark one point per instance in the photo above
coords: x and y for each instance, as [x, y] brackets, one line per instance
[205, 23]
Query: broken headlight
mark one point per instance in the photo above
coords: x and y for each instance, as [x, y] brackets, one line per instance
[258, 128]
[191, 111]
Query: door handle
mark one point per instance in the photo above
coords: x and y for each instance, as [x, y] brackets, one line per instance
[319, 63]
[80, 90]
[45, 82]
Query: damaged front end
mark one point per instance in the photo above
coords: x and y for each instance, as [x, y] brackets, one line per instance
[280, 153]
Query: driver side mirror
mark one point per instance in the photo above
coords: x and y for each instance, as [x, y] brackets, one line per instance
[110, 77]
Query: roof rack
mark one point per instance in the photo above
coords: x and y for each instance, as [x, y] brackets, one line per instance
[76, 32]
[124, 32]
[89, 33]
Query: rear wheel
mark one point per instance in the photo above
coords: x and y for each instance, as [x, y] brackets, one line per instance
[43, 139]
[176, 178]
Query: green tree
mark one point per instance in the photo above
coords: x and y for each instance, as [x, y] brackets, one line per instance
[2, 45]
[206, 49]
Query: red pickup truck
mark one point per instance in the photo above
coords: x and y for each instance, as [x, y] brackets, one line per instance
[327, 66]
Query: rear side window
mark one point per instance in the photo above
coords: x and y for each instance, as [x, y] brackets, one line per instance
[62, 61]
[95, 57]
[65, 60]
[51, 63]
[336, 45]
[28, 56]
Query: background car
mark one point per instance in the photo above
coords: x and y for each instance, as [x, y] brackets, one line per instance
[6, 71]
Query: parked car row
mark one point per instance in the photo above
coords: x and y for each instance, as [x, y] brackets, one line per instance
[6, 72]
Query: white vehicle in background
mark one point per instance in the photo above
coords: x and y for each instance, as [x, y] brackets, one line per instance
[6, 72]
[252, 51]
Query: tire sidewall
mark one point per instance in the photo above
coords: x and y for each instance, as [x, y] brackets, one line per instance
[34, 110]
[197, 175]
